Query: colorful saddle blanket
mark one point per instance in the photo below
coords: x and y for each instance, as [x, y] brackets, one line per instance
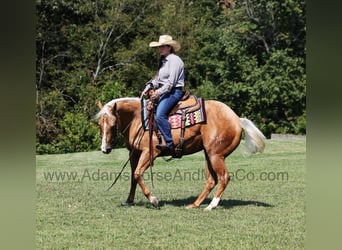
[175, 119]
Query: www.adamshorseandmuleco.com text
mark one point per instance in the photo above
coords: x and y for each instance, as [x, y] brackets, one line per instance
[176, 175]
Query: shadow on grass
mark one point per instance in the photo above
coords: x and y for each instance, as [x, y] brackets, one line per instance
[226, 204]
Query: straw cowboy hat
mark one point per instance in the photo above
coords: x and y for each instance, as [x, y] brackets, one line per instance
[166, 40]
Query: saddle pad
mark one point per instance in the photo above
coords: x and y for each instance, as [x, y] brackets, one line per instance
[195, 117]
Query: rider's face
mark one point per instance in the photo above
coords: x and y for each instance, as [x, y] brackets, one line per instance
[164, 50]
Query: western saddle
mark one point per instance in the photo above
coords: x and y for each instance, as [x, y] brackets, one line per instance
[189, 103]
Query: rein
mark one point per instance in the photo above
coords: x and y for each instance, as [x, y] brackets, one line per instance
[132, 151]
[124, 166]
[150, 131]
[118, 176]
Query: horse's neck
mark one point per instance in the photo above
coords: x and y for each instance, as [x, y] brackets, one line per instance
[127, 112]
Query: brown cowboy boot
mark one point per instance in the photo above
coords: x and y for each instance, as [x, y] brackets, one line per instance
[162, 144]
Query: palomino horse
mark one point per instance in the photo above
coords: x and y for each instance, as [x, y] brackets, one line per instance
[218, 137]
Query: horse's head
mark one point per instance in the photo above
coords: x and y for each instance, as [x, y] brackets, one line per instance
[108, 124]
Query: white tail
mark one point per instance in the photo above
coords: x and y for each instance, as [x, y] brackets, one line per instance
[255, 140]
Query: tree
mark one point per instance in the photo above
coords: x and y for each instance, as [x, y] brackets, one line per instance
[249, 54]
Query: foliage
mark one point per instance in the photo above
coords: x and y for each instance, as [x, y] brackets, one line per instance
[251, 57]
[77, 134]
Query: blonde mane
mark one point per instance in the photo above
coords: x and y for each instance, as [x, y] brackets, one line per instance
[110, 104]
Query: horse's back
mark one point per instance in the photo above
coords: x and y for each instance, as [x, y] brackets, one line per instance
[218, 111]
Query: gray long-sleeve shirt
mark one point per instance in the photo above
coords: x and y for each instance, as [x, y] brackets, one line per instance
[171, 74]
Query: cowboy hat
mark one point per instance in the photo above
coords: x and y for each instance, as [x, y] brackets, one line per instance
[166, 40]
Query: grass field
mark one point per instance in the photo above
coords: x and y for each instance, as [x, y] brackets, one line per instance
[263, 206]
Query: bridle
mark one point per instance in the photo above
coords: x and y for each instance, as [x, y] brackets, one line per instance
[132, 151]
[115, 134]
[116, 128]
[113, 140]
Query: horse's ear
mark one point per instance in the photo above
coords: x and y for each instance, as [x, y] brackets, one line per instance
[99, 104]
[115, 109]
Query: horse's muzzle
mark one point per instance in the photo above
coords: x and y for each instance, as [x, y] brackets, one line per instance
[107, 151]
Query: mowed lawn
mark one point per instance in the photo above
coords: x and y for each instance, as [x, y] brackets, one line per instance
[263, 206]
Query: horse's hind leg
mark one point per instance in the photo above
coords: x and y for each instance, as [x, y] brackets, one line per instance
[223, 178]
[211, 180]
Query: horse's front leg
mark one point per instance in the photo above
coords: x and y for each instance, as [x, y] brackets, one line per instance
[143, 164]
[134, 162]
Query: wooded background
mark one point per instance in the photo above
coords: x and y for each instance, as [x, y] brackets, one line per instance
[247, 54]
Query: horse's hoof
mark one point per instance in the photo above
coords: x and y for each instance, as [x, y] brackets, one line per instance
[127, 204]
[208, 208]
[191, 206]
[154, 201]
[213, 204]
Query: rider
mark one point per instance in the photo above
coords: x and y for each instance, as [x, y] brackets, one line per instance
[168, 86]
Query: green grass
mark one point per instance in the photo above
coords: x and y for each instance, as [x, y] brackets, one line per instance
[263, 207]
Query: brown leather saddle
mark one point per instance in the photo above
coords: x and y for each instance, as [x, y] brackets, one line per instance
[187, 104]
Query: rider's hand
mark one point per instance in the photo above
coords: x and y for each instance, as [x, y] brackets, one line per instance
[145, 91]
[143, 94]
[154, 95]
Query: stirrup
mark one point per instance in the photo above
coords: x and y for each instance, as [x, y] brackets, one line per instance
[178, 152]
[161, 140]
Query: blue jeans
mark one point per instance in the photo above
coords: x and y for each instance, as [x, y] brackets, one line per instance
[165, 104]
